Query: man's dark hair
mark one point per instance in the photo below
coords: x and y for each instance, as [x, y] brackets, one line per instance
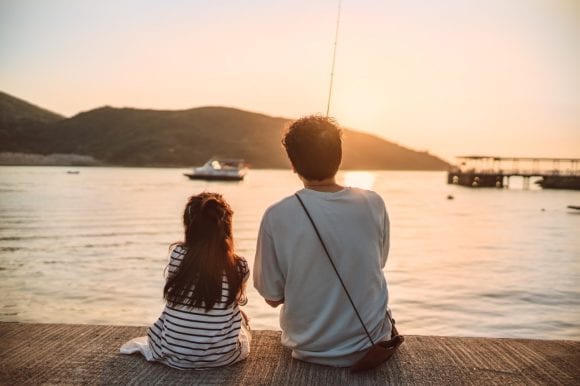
[314, 146]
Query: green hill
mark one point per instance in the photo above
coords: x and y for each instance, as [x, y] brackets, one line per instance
[133, 137]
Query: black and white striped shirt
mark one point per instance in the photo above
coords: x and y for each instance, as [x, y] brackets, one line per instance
[188, 337]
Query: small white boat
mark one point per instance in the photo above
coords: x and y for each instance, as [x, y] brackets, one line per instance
[220, 169]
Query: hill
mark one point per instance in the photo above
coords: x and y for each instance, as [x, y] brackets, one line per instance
[14, 110]
[135, 137]
[20, 122]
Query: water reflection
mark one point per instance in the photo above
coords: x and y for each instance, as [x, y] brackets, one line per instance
[92, 248]
[364, 180]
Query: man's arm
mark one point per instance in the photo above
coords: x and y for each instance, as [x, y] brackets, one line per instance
[268, 278]
[274, 303]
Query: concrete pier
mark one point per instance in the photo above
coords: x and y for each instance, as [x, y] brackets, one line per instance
[491, 171]
[81, 354]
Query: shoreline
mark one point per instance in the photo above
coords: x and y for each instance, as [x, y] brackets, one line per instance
[75, 354]
[79, 160]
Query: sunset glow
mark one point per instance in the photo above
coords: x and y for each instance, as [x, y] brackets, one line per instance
[451, 77]
[364, 180]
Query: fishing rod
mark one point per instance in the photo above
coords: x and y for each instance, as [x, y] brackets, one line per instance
[333, 57]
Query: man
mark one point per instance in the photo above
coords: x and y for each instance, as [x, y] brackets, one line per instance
[291, 268]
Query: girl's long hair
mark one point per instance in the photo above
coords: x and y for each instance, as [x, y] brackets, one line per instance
[209, 256]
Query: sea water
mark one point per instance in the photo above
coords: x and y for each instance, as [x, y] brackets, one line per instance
[92, 247]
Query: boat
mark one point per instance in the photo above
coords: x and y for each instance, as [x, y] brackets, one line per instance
[220, 169]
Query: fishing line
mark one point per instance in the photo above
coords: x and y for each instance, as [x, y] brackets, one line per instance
[333, 57]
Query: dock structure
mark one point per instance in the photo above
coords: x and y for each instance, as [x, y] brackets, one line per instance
[491, 171]
[88, 354]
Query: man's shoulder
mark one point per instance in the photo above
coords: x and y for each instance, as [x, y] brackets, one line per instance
[369, 195]
[281, 208]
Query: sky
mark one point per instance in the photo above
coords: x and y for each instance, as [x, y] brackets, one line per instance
[452, 77]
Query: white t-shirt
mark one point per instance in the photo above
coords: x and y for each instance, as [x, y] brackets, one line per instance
[318, 322]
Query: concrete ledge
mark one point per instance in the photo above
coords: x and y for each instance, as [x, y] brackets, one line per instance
[75, 354]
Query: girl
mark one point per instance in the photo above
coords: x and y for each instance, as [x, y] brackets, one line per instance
[202, 325]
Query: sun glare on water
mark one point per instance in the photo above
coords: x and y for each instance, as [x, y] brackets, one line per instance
[364, 180]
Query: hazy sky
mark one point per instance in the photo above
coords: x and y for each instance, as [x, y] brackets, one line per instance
[455, 77]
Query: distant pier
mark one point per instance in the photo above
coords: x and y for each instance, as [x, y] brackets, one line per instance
[490, 171]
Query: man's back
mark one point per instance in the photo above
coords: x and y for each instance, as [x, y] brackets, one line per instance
[317, 320]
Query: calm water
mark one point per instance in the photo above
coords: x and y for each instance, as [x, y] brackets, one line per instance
[91, 248]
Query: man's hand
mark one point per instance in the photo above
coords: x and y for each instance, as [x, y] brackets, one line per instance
[274, 303]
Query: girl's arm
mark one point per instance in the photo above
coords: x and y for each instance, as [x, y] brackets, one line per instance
[245, 272]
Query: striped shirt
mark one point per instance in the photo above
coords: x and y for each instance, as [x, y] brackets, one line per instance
[186, 337]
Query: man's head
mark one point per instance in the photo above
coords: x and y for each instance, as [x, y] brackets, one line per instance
[314, 147]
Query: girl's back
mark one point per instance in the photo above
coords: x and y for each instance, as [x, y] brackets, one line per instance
[201, 325]
[187, 337]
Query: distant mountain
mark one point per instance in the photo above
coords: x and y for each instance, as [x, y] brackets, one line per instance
[14, 110]
[20, 122]
[133, 137]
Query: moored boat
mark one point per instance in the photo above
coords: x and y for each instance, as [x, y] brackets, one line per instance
[220, 169]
